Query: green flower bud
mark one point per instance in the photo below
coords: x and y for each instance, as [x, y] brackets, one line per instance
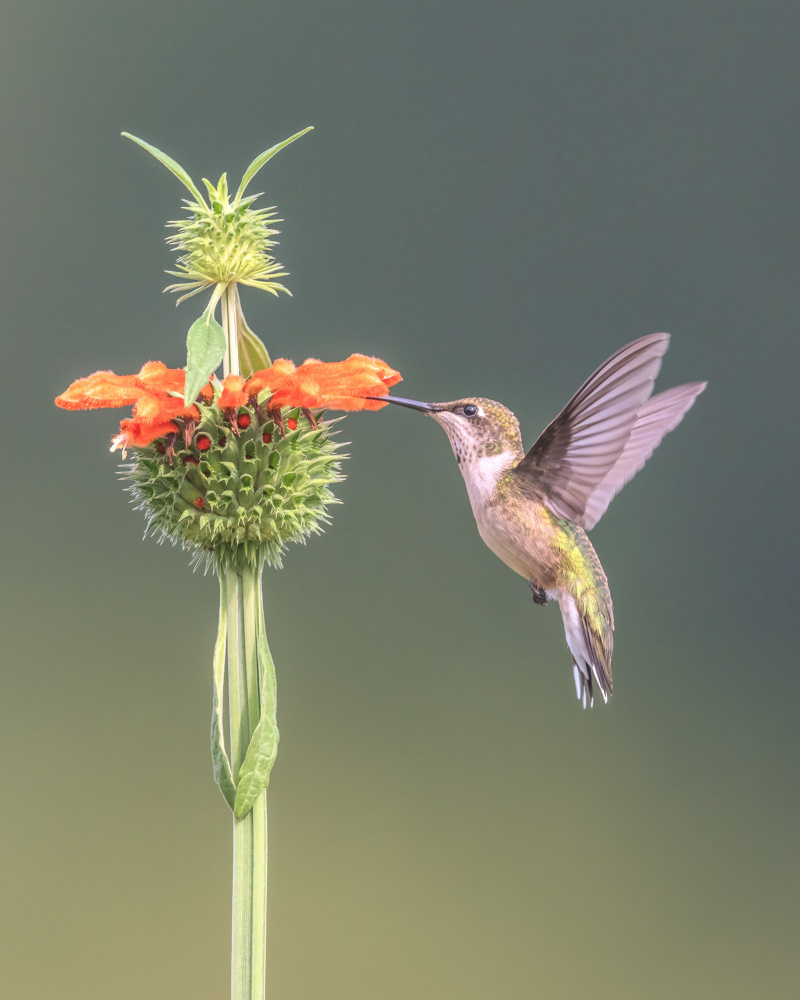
[222, 242]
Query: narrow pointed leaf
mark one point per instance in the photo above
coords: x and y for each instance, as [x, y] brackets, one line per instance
[259, 162]
[205, 349]
[219, 756]
[170, 164]
[253, 354]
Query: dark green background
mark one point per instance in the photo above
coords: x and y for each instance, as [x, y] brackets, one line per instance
[496, 196]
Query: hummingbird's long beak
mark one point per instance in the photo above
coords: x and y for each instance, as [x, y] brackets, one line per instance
[412, 404]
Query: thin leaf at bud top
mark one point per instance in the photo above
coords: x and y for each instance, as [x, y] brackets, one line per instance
[170, 164]
[259, 162]
[205, 349]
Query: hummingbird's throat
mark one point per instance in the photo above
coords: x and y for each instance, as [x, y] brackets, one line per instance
[472, 444]
[482, 459]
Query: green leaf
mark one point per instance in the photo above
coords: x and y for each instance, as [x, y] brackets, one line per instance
[263, 749]
[259, 162]
[170, 164]
[256, 767]
[219, 756]
[205, 349]
[253, 354]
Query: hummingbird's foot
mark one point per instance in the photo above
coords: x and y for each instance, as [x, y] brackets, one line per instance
[539, 596]
[309, 416]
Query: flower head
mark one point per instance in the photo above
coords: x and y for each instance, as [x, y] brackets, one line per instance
[224, 242]
[235, 497]
[224, 239]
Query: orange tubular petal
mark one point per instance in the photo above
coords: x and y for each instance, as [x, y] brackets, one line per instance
[153, 409]
[269, 378]
[233, 393]
[135, 434]
[258, 382]
[282, 366]
[102, 389]
[156, 377]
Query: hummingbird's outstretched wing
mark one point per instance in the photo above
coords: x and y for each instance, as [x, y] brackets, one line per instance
[659, 415]
[572, 465]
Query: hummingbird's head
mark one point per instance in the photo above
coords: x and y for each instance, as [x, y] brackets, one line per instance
[478, 428]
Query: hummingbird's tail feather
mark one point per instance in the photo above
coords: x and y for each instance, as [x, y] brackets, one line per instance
[583, 684]
[591, 644]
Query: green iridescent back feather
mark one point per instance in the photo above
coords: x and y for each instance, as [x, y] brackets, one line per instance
[585, 579]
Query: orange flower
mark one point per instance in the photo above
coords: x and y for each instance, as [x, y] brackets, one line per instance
[152, 409]
[136, 434]
[149, 392]
[233, 395]
[100, 389]
[156, 377]
[155, 393]
[107, 389]
[267, 378]
[338, 385]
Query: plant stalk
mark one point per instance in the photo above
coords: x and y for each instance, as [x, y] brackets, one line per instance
[245, 617]
[249, 911]
[230, 364]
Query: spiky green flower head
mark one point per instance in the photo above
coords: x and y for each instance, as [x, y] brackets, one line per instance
[222, 242]
[224, 239]
[239, 486]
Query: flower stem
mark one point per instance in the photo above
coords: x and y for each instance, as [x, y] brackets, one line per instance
[249, 918]
[230, 326]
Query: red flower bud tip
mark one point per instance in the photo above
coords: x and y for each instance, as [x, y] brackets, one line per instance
[190, 458]
[222, 441]
[243, 420]
[160, 448]
[200, 503]
[203, 442]
[267, 438]
[292, 424]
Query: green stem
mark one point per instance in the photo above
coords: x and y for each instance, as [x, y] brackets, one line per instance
[231, 328]
[249, 924]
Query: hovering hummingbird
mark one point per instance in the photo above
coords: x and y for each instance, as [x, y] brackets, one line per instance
[532, 509]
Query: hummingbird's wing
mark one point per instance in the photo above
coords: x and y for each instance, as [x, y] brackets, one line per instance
[574, 454]
[659, 415]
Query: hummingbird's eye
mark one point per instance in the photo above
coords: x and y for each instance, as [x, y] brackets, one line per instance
[470, 410]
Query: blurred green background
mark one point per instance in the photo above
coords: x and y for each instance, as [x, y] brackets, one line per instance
[495, 197]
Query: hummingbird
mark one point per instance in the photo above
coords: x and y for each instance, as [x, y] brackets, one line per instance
[533, 509]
